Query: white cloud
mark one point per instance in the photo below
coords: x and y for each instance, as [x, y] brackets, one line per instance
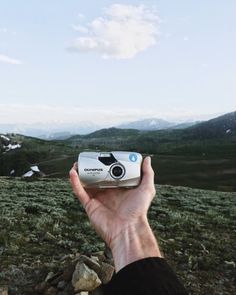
[6, 31]
[204, 65]
[80, 16]
[3, 30]
[79, 28]
[123, 32]
[8, 60]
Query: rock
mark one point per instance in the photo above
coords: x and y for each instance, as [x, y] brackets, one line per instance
[3, 290]
[49, 276]
[91, 263]
[77, 255]
[61, 285]
[95, 258]
[50, 291]
[68, 272]
[84, 278]
[56, 279]
[28, 290]
[108, 253]
[41, 287]
[106, 272]
[97, 291]
[230, 263]
[69, 289]
[100, 255]
[67, 257]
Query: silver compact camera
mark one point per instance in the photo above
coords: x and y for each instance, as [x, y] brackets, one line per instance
[109, 169]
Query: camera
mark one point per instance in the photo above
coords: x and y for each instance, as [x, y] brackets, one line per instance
[109, 169]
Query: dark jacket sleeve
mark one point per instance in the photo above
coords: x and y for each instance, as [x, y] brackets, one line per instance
[147, 276]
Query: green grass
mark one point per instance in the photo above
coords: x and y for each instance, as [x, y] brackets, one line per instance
[41, 221]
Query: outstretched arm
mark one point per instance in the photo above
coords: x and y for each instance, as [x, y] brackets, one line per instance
[120, 217]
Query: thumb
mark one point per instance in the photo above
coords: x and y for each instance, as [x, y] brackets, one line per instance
[148, 175]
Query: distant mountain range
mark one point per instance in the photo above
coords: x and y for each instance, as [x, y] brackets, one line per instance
[62, 131]
[155, 124]
[147, 124]
[50, 131]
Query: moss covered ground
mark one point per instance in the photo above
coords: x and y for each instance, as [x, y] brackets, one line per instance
[41, 222]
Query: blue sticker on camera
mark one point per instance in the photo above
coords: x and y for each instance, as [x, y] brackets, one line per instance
[133, 157]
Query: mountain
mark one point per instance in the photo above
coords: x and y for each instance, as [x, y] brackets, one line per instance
[184, 125]
[107, 132]
[147, 124]
[57, 136]
[155, 124]
[221, 127]
[50, 130]
[60, 131]
[217, 128]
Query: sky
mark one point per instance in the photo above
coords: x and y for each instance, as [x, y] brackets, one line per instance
[114, 61]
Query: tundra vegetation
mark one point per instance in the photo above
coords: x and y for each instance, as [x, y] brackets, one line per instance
[41, 222]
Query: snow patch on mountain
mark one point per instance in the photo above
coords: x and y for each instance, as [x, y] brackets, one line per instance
[5, 138]
[153, 123]
[6, 144]
[10, 147]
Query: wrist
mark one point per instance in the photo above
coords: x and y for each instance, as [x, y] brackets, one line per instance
[136, 241]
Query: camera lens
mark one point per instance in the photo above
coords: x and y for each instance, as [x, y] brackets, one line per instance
[117, 171]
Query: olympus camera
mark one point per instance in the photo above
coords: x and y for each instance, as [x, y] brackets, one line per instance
[109, 169]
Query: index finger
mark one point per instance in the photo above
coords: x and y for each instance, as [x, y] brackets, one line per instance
[77, 186]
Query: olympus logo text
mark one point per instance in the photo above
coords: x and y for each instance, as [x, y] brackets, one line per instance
[93, 169]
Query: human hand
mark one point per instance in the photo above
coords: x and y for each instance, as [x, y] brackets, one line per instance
[120, 214]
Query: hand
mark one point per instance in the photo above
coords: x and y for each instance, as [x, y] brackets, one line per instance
[119, 213]
[111, 210]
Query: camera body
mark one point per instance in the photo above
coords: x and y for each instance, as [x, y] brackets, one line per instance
[109, 169]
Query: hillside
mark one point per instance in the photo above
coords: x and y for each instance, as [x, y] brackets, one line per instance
[220, 127]
[215, 131]
[106, 133]
[41, 223]
[201, 156]
[18, 153]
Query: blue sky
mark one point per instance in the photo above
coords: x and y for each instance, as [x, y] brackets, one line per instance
[116, 60]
